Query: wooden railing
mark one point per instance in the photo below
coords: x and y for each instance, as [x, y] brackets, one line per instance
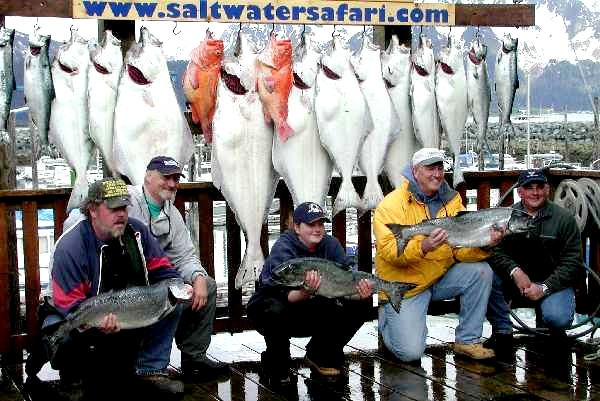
[18, 322]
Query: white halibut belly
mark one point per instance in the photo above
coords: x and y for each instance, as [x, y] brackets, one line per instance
[302, 161]
[243, 171]
[143, 130]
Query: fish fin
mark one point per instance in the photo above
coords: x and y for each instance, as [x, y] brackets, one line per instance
[267, 116]
[395, 291]
[269, 83]
[396, 229]
[207, 132]
[284, 131]
[191, 77]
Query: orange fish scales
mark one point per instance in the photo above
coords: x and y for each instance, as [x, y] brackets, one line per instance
[200, 83]
[275, 80]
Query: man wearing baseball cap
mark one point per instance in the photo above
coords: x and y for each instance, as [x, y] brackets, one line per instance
[152, 203]
[542, 266]
[439, 271]
[279, 313]
[102, 252]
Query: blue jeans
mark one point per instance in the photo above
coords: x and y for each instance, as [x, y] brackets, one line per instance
[155, 351]
[555, 311]
[404, 333]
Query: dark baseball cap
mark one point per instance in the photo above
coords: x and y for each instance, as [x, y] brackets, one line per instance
[165, 165]
[532, 175]
[113, 191]
[309, 212]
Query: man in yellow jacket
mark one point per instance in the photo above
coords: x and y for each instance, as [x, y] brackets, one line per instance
[439, 271]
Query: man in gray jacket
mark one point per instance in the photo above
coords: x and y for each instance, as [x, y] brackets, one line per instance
[152, 203]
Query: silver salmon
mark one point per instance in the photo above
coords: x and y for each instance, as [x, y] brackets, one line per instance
[7, 78]
[467, 229]
[336, 281]
[134, 307]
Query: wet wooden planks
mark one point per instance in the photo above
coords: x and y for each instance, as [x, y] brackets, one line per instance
[532, 372]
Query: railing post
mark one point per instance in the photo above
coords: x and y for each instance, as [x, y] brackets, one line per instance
[234, 247]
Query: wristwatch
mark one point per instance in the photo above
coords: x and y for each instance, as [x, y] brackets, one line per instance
[544, 288]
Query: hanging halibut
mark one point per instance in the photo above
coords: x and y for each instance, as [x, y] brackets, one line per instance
[507, 83]
[7, 79]
[69, 119]
[343, 119]
[37, 87]
[200, 82]
[451, 97]
[274, 81]
[367, 67]
[395, 66]
[241, 159]
[479, 94]
[302, 161]
[148, 119]
[103, 82]
[422, 94]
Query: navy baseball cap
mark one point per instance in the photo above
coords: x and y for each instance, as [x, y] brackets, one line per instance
[531, 175]
[165, 165]
[309, 212]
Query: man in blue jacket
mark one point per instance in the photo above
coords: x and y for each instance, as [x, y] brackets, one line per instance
[279, 313]
[103, 252]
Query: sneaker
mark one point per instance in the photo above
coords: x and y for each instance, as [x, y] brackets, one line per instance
[474, 351]
[204, 368]
[499, 342]
[325, 371]
[162, 384]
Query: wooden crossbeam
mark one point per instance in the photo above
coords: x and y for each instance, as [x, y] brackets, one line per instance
[465, 14]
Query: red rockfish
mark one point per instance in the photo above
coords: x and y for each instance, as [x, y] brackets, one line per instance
[275, 80]
[200, 82]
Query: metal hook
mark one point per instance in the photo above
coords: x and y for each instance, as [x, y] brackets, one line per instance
[477, 32]
[272, 30]
[333, 33]
[175, 27]
[303, 29]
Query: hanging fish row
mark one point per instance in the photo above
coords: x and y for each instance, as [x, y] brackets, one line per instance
[298, 113]
[88, 96]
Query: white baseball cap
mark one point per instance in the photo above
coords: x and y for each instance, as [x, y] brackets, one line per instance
[427, 156]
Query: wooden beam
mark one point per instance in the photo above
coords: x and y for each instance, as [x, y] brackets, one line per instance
[494, 15]
[37, 8]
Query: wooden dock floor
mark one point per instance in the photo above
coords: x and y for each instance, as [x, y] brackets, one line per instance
[533, 372]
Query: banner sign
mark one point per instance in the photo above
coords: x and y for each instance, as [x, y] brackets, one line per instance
[271, 12]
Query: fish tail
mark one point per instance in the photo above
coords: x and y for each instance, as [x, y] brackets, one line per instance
[79, 192]
[457, 177]
[250, 267]
[397, 229]
[372, 195]
[284, 131]
[347, 197]
[395, 292]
